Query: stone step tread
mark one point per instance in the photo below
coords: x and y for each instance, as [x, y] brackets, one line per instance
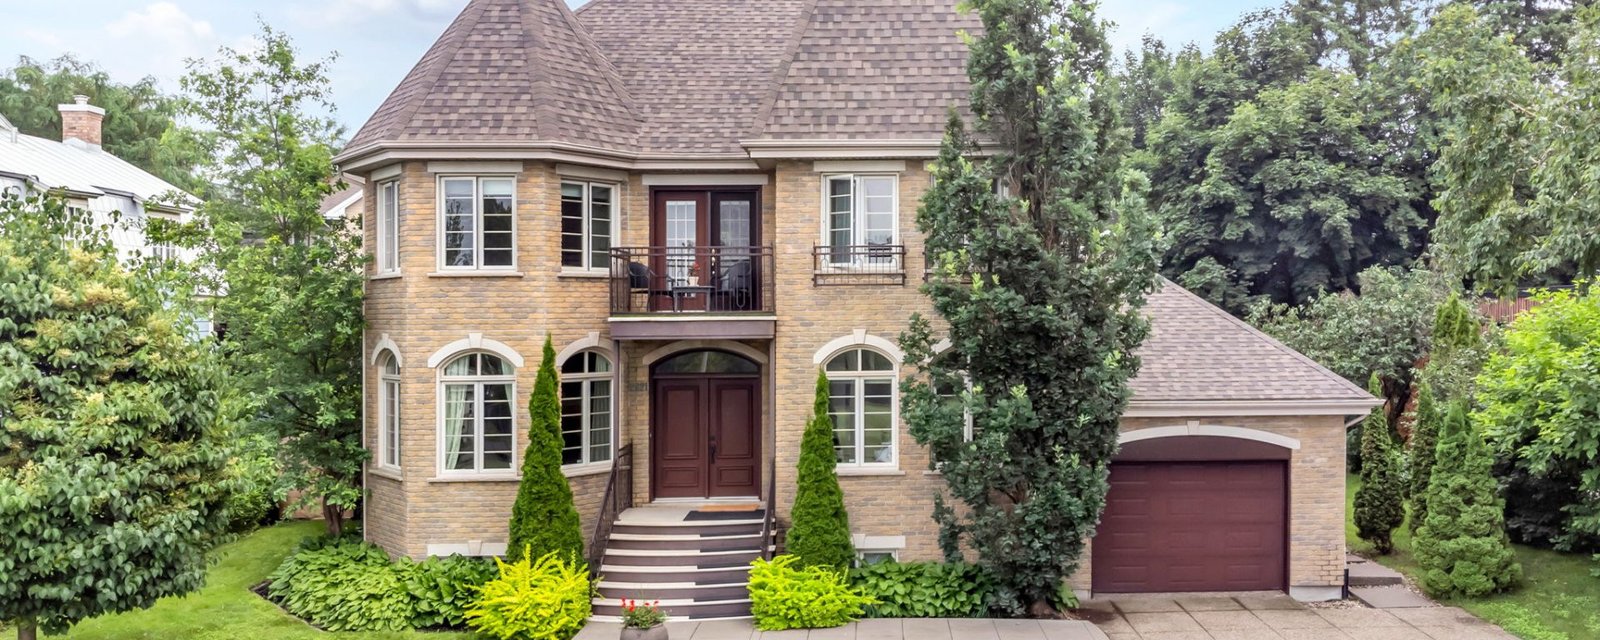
[1372, 574]
[1390, 597]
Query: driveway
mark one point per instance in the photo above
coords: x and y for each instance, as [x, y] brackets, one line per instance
[1278, 617]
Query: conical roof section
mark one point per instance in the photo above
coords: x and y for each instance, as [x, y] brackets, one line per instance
[508, 71]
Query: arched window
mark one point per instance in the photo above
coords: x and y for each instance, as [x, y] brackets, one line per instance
[861, 402]
[389, 412]
[476, 410]
[587, 428]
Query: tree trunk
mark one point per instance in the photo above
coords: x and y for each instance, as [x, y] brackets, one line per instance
[1042, 608]
[27, 630]
[333, 518]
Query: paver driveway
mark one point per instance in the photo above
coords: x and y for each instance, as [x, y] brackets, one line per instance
[1278, 617]
[878, 629]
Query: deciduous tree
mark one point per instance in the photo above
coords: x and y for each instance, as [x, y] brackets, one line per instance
[1039, 292]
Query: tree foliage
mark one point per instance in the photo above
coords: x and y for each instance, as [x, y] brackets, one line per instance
[113, 428]
[820, 533]
[140, 125]
[1462, 545]
[1039, 292]
[292, 280]
[1278, 168]
[1380, 502]
[1424, 440]
[1540, 409]
[544, 519]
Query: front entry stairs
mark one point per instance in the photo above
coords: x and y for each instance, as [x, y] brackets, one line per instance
[695, 562]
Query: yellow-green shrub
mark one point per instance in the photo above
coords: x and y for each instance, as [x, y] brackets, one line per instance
[544, 599]
[784, 596]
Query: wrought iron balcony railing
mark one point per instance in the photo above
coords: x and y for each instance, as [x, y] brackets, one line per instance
[858, 264]
[682, 280]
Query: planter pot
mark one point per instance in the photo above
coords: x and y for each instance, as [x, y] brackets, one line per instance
[694, 281]
[658, 632]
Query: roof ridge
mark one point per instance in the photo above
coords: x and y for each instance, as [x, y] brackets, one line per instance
[539, 83]
[781, 71]
[431, 76]
[607, 68]
[1262, 335]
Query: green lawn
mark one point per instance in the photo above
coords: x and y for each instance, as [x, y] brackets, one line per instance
[1559, 598]
[226, 609]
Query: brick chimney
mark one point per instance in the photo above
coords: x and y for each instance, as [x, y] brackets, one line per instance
[81, 121]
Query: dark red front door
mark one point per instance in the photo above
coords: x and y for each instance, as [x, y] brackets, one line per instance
[1192, 526]
[705, 442]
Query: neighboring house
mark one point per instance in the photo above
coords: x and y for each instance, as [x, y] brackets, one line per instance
[87, 177]
[346, 202]
[704, 202]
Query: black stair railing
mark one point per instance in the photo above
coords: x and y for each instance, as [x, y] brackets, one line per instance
[618, 497]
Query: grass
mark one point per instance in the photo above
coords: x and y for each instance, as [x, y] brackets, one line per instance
[1559, 598]
[226, 609]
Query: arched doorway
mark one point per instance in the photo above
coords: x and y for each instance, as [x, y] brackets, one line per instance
[705, 411]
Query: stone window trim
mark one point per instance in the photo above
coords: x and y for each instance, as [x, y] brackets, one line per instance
[881, 547]
[477, 384]
[478, 266]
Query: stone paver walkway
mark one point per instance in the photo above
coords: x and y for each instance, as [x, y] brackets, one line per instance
[880, 629]
[1278, 617]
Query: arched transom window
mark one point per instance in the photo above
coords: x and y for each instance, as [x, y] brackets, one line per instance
[475, 401]
[861, 402]
[389, 412]
[586, 415]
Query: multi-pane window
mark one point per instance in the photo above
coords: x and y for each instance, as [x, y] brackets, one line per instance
[388, 227]
[476, 392]
[861, 219]
[586, 220]
[861, 403]
[586, 424]
[479, 227]
[389, 412]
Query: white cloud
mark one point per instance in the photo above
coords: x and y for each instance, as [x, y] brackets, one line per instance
[154, 40]
[340, 13]
[1134, 19]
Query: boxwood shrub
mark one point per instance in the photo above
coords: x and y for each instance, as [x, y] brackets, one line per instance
[924, 590]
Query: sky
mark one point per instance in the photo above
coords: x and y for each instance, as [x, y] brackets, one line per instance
[378, 41]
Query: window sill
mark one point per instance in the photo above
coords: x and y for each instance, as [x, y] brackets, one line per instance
[581, 470]
[475, 478]
[868, 471]
[476, 274]
[586, 274]
[393, 275]
[386, 472]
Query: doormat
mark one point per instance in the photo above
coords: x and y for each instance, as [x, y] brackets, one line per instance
[743, 514]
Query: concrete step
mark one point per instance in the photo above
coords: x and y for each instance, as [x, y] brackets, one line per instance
[751, 542]
[1372, 574]
[688, 609]
[710, 529]
[645, 574]
[1390, 597]
[673, 591]
[680, 558]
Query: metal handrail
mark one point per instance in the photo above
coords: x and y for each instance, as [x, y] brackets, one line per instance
[858, 264]
[618, 496]
[727, 280]
[769, 524]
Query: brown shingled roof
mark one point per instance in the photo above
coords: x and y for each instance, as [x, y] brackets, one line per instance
[508, 70]
[1198, 352]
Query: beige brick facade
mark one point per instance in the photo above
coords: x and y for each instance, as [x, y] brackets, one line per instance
[411, 510]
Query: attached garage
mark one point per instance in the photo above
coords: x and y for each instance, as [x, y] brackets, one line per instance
[1195, 514]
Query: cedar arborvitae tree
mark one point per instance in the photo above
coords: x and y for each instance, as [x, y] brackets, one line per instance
[820, 535]
[1038, 288]
[1462, 546]
[1380, 503]
[544, 519]
[1424, 440]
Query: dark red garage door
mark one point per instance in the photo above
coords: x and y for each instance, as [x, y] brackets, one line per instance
[1192, 526]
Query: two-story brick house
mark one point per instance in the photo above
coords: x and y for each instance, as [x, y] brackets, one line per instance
[704, 202]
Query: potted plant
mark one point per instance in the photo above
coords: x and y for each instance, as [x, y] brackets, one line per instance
[643, 620]
[694, 274]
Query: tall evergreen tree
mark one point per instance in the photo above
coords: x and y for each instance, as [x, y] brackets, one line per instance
[820, 534]
[544, 519]
[1039, 291]
[1380, 503]
[1462, 546]
[1424, 441]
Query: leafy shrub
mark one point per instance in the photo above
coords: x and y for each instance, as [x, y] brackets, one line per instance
[344, 587]
[253, 472]
[820, 536]
[1462, 547]
[924, 590]
[547, 599]
[442, 588]
[786, 596]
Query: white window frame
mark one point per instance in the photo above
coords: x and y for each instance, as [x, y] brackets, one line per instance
[388, 236]
[477, 228]
[478, 382]
[388, 411]
[858, 218]
[858, 380]
[588, 225]
[587, 380]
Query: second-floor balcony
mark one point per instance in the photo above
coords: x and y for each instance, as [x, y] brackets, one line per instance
[725, 287]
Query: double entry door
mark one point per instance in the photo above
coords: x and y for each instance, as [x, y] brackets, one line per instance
[706, 258]
[705, 442]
